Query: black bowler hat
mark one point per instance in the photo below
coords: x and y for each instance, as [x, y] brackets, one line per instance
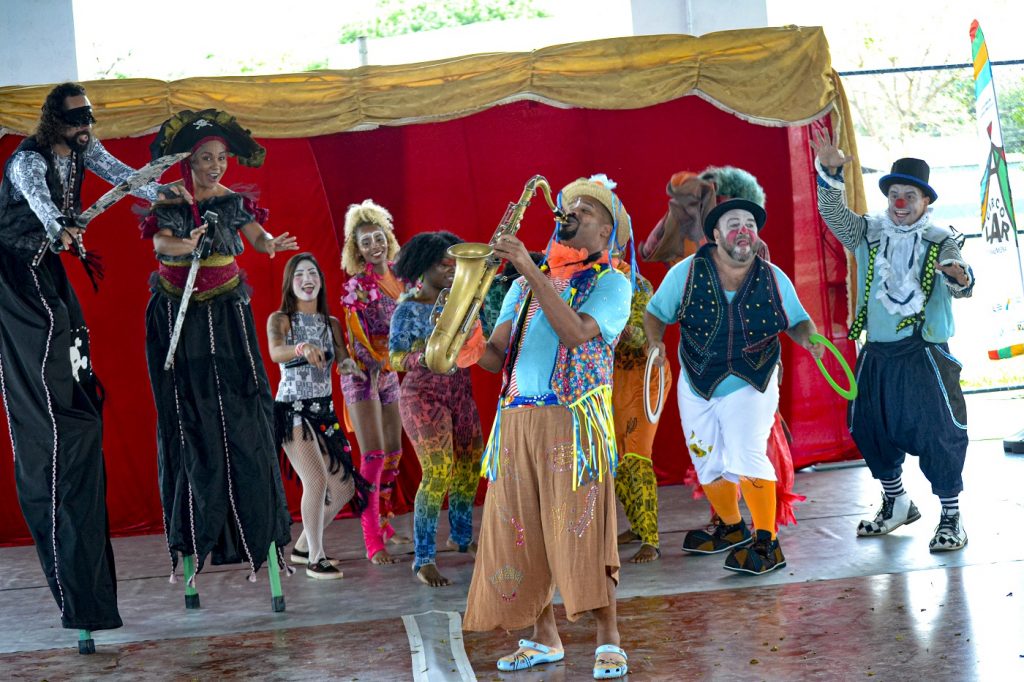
[909, 171]
[711, 222]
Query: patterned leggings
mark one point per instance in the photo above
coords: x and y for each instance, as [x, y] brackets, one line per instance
[636, 486]
[441, 419]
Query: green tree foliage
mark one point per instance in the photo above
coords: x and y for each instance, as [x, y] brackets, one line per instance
[397, 17]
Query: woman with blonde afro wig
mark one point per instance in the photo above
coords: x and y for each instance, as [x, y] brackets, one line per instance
[365, 215]
[371, 403]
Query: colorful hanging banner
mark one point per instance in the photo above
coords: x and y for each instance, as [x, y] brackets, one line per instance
[998, 222]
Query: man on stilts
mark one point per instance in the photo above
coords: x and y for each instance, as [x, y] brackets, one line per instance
[52, 398]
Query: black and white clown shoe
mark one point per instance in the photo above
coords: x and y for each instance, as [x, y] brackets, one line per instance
[949, 534]
[894, 512]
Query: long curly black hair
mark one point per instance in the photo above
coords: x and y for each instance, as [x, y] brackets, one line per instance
[421, 252]
[51, 126]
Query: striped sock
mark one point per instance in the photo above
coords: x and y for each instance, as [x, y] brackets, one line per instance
[950, 505]
[893, 487]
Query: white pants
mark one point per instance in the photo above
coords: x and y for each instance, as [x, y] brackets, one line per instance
[728, 436]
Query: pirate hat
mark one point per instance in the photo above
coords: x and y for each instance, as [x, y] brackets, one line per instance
[186, 129]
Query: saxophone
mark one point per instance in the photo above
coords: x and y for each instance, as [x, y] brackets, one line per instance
[458, 306]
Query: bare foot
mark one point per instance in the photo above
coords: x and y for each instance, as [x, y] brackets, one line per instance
[398, 539]
[471, 549]
[429, 575]
[628, 537]
[645, 554]
[382, 558]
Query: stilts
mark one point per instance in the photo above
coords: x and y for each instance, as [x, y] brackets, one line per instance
[86, 645]
[191, 594]
[273, 569]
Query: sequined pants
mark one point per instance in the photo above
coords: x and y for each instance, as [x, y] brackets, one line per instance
[538, 533]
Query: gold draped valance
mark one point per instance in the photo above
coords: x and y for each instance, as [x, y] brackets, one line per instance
[771, 76]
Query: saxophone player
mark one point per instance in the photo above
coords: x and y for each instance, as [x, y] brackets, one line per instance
[549, 518]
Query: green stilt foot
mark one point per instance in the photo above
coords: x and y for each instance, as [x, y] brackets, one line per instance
[86, 645]
[191, 593]
[274, 569]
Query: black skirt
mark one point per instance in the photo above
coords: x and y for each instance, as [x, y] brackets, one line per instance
[321, 422]
[220, 483]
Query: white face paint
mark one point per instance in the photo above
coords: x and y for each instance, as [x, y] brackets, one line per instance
[372, 243]
[306, 281]
[737, 235]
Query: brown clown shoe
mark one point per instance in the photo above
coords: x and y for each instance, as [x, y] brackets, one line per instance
[716, 538]
[763, 555]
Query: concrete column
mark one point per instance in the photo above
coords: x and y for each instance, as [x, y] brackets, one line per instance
[696, 17]
[37, 42]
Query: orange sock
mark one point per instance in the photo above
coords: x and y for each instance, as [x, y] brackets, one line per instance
[722, 496]
[759, 495]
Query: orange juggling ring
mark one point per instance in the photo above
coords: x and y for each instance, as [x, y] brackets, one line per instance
[848, 393]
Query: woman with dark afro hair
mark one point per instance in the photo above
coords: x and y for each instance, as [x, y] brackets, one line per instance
[438, 411]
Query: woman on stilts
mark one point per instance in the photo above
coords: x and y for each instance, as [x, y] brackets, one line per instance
[220, 484]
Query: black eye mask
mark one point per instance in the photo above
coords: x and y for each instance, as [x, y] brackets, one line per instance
[79, 116]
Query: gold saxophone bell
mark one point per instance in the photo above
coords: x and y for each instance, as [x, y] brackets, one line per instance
[458, 307]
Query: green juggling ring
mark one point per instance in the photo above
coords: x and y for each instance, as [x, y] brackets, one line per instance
[850, 393]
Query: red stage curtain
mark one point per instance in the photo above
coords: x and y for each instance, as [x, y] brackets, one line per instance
[459, 175]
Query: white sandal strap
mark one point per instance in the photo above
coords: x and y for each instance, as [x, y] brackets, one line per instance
[527, 644]
[609, 649]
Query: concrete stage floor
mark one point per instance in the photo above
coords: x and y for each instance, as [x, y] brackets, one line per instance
[844, 608]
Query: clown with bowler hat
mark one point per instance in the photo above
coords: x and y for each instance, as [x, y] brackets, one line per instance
[731, 306]
[909, 270]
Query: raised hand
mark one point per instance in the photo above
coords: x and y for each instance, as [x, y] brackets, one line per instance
[826, 148]
[282, 242]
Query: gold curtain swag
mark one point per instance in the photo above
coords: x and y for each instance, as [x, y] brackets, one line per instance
[772, 76]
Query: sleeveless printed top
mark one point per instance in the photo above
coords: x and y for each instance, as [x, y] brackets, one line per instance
[306, 381]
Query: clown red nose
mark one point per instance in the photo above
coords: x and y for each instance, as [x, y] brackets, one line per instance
[900, 203]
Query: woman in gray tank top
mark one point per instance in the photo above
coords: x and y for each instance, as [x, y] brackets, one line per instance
[304, 340]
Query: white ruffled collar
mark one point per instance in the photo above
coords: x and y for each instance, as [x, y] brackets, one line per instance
[898, 262]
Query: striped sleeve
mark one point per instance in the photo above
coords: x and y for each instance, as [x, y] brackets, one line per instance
[847, 226]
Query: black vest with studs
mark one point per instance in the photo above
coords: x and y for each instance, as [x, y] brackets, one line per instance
[718, 337]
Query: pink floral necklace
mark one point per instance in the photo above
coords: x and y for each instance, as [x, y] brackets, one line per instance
[363, 289]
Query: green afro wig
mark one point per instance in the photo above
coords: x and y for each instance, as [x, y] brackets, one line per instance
[734, 183]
